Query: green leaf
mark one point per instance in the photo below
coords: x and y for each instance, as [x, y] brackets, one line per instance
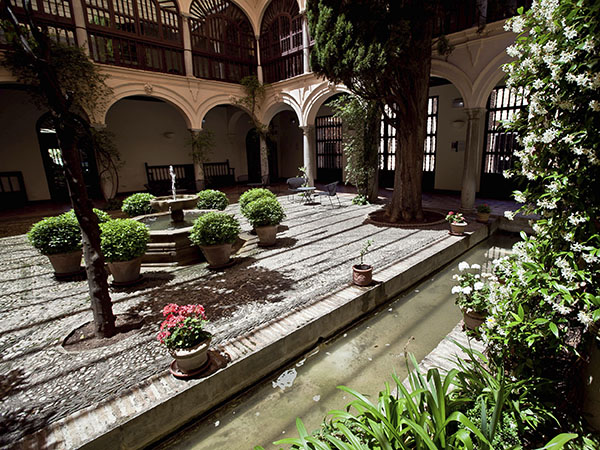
[553, 328]
[559, 441]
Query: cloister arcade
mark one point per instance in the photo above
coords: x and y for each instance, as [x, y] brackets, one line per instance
[174, 68]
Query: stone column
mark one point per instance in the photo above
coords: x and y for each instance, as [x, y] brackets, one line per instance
[473, 152]
[80, 29]
[305, 44]
[264, 156]
[198, 168]
[187, 47]
[308, 148]
[259, 72]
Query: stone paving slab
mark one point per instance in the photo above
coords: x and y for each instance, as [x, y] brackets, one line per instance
[89, 397]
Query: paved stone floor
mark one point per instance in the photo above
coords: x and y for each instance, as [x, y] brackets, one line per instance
[42, 383]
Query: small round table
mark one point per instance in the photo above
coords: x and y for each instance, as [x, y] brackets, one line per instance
[307, 193]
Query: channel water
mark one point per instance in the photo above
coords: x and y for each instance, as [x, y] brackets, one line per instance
[363, 357]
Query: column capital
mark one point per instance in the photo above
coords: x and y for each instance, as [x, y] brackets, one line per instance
[306, 128]
[475, 113]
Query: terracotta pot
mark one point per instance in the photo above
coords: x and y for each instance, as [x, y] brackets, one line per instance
[66, 263]
[483, 217]
[267, 235]
[193, 358]
[216, 255]
[458, 228]
[124, 272]
[362, 274]
[473, 319]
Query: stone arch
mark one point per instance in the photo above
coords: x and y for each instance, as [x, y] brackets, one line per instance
[217, 100]
[279, 103]
[488, 78]
[266, 5]
[457, 77]
[159, 92]
[316, 99]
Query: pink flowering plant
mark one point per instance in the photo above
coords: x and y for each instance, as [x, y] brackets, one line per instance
[183, 326]
[455, 217]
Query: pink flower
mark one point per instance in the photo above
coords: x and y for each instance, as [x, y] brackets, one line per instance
[170, 309]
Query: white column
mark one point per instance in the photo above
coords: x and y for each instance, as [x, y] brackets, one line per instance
[264, 156]
[308, 148]
[473, 152]
[187, 47]
[198, 168]
[80, 30]
[305, 45]
[259, 71]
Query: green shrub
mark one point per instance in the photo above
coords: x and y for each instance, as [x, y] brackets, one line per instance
[123, 239]
[215, 228]
[211, 199]
[102, 216]
[138, 204]
[58, 234]
[264, 211]
[252, 195]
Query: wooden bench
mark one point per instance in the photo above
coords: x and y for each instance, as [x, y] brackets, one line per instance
[159, 179]
[217, 174]
[12, 190]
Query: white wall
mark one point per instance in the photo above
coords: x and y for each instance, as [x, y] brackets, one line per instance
[448, 163]
[289, 144]
[20, 149]
[146, 131]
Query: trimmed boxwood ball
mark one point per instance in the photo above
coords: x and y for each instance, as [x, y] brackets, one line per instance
[211, 199]
[138, 204]
[264, 211]
[102, 215]
[254, 194]
[123, 239]
[54, 235]
[215, 228]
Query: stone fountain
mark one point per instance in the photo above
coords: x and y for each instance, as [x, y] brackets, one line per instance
[170, 227]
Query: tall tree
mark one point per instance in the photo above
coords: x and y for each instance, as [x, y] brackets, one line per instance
[381, 50]
[64, 80]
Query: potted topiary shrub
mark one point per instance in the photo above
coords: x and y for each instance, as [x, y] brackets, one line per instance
[264, 214]
[254, 194]
[212, 199]
[138, 204]
[59, 238]
[483, 213]
[472, 290]
[123, 243]
[457, 223]
[182, 332]
[362, 274]
[214, 232]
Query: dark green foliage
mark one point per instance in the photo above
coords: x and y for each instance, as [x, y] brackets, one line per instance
[58, 234]
[138, 204]
[360, 200]
[253, 194]
[215, 228]
[123, 239]
[102, 216]
[264, 211]
[212, 199]
[201, 143]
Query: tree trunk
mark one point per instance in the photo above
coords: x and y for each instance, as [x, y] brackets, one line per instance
[410, 123]
[101, 303]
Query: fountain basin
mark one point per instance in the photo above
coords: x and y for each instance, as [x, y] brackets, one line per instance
[175, 205]
[169, 241]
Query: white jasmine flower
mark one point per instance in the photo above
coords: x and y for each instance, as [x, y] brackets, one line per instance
[490, 321]
[456, 290]
[595, 105]
[549, 135]
[463, 265]
[584, 318]
[510, 215]
[519, 197]
[513, 51]
[467, 290]
[570, 33]
[576, 219]
[478, 286]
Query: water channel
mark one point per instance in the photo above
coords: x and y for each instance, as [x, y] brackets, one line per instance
[363, 358]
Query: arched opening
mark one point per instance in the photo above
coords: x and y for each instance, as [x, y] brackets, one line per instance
[281, 41]
[223, 43]
[285, 145]
[142, 34]
[149, 131]
[499, 143]
[329, 136]
[54, 164]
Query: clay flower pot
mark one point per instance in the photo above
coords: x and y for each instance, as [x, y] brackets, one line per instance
[65, 264]
[473, 319]
[191, 359]
[125, 272]
[216, 255]
[458, 228]
[267, 235]
[483, 217]
[362, 274]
